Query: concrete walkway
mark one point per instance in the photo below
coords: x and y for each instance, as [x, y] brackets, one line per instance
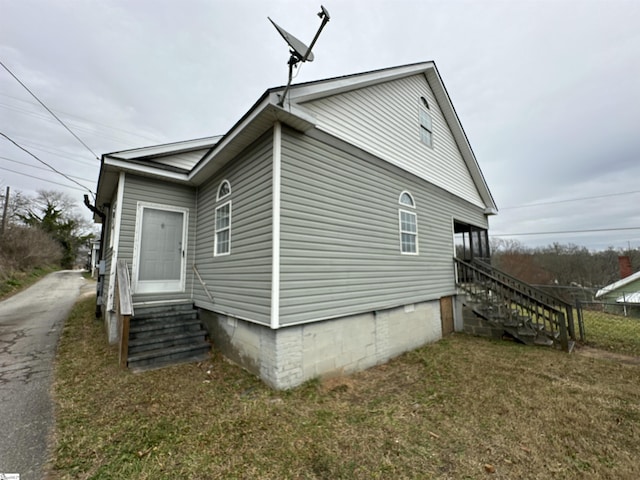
[30, 324]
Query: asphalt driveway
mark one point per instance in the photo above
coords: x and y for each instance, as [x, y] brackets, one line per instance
[30, 324]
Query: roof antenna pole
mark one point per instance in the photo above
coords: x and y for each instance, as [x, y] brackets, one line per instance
[293, 62]
[299, 51]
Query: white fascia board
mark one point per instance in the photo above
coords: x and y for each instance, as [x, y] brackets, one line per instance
[145, 170]
[168, 148]
[230, 136]
[267, 111]
[305, 93]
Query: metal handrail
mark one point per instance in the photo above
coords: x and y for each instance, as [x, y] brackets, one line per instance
[204, 285]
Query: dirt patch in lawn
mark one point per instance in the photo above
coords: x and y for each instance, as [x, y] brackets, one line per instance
[607, 355]
[461, 408]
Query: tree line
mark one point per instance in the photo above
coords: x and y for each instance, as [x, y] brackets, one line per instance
[44, 230]
[561, 264]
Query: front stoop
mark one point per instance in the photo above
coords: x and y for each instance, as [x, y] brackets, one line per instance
[165, 335]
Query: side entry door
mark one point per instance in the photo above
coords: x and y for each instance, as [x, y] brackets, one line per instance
[160, 249]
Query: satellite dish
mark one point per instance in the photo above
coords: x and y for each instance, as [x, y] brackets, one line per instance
[298, 48]
[299, 51]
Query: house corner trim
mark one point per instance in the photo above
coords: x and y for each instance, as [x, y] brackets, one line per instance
[275, 204]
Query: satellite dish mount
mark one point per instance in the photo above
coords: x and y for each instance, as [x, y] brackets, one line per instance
[299, 51]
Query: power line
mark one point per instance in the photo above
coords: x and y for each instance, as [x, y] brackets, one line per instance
[561, 232]
[155, 140]
[43, 179]
[51, 151]
[90, 129]
[49, 110]
[45, 163]
[570, 200]
[42, 168]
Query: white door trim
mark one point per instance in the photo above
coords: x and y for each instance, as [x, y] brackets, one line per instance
[159, 287]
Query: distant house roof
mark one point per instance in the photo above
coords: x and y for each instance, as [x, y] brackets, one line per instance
[619, 287]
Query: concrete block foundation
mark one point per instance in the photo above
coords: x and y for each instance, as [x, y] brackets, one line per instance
[291, 355]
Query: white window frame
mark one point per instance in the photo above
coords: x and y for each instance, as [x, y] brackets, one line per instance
[415, 218]
[112, 222]
[402, 194]
[219, 230]
[222, 184]
[424, 128]
[140, 287]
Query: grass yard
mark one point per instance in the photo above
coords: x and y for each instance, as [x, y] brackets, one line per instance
[612, 332]
[462, 408]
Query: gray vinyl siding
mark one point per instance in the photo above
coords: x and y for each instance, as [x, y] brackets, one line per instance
[384, 120]
[184, 160]
[149, 190]
[241, 281]
[340, 247]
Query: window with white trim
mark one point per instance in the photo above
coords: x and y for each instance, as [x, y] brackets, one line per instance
[426, 125]
[222, 240]
[112, 227]
[224, 190]
[408, 225]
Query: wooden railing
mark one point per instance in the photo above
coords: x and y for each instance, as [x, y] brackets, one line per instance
[124, 308]
[537, 293]
[511, 298]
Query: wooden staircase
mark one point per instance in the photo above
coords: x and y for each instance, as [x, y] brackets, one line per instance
[508, 306]
[165, 335]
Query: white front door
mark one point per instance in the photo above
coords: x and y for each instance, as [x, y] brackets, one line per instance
[160, 249]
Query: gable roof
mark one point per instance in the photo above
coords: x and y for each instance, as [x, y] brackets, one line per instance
[619, 285]
[261, 116]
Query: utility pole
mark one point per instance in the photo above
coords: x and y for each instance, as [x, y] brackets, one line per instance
[5, 209]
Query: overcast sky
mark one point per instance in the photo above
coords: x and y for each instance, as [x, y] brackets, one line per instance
[548, 92]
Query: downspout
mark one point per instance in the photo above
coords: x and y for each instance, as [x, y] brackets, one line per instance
[100, 283]
[275, 226]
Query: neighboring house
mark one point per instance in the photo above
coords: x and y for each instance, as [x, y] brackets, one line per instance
[313, 238]
[625, 291]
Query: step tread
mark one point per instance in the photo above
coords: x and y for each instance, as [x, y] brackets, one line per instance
[168, 314]
[161, 338]
[162, 352]
[150, 326]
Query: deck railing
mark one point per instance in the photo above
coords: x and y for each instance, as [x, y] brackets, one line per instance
[509, 298]
[537, 293]
[124, 308]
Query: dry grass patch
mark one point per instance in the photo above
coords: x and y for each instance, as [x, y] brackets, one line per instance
[462, 408]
